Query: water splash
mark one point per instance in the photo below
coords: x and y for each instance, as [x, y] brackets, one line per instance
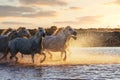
[94, 55]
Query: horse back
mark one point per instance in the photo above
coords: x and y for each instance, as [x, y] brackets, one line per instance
[20, 44]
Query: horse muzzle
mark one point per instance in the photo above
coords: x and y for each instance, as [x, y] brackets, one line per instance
[74, 36]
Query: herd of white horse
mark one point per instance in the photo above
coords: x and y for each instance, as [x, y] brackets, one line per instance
[15, 42]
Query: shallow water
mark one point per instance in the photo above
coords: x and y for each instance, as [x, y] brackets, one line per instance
[83, 63]
[66, 72]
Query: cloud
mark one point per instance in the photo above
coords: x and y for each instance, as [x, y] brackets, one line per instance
[116, 2]
[15, 23]
[7, 11]
[82, 20]
[75, 8]
[13, 11]
[89, 19]
[44, 2]
[66, 22]
[42, 14]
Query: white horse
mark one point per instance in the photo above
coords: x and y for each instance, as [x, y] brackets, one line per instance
[59, 42]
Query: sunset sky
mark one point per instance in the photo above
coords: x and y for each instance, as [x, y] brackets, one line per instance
[46, 13]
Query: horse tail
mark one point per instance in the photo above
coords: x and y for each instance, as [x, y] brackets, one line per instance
[5, 55]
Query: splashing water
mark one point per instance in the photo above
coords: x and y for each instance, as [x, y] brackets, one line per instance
[94, 55]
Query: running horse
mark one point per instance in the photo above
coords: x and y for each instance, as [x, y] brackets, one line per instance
[4, 39]
[29, 46]
[59, 42]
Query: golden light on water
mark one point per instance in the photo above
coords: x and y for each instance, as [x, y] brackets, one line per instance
[77, 56]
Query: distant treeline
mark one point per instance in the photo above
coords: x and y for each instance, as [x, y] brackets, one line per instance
[99, 37]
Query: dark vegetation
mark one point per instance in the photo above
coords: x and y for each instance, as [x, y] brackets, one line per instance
[101, 37]
[94, 37]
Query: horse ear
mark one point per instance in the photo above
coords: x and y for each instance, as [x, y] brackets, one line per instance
[21, 28]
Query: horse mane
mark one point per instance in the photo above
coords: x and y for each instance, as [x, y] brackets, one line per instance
[12, 34]
[57, 31]
[5, 31]
[61, 30]
[21, 28]
[66, 29]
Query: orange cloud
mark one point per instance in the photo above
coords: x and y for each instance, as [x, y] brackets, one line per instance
[66, 22]
[116, 2]
[89, 19]
[82, 20]
[75, 8]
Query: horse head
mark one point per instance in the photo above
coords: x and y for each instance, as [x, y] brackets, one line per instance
[22, 31]
[41, 32]
[70, 31]
[13, 34]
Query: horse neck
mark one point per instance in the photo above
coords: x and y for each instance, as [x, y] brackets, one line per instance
[65, 37]
[37, 39]
[60, 33]
[56, 32]
[11, 36]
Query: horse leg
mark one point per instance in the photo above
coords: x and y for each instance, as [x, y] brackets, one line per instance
[61, 55]
[11, 57]
[64, 59]
[16, 59]
[69, 52]
[5, 55]
[32, 57]
[43, 58]
[21, 55]
[50, 54]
